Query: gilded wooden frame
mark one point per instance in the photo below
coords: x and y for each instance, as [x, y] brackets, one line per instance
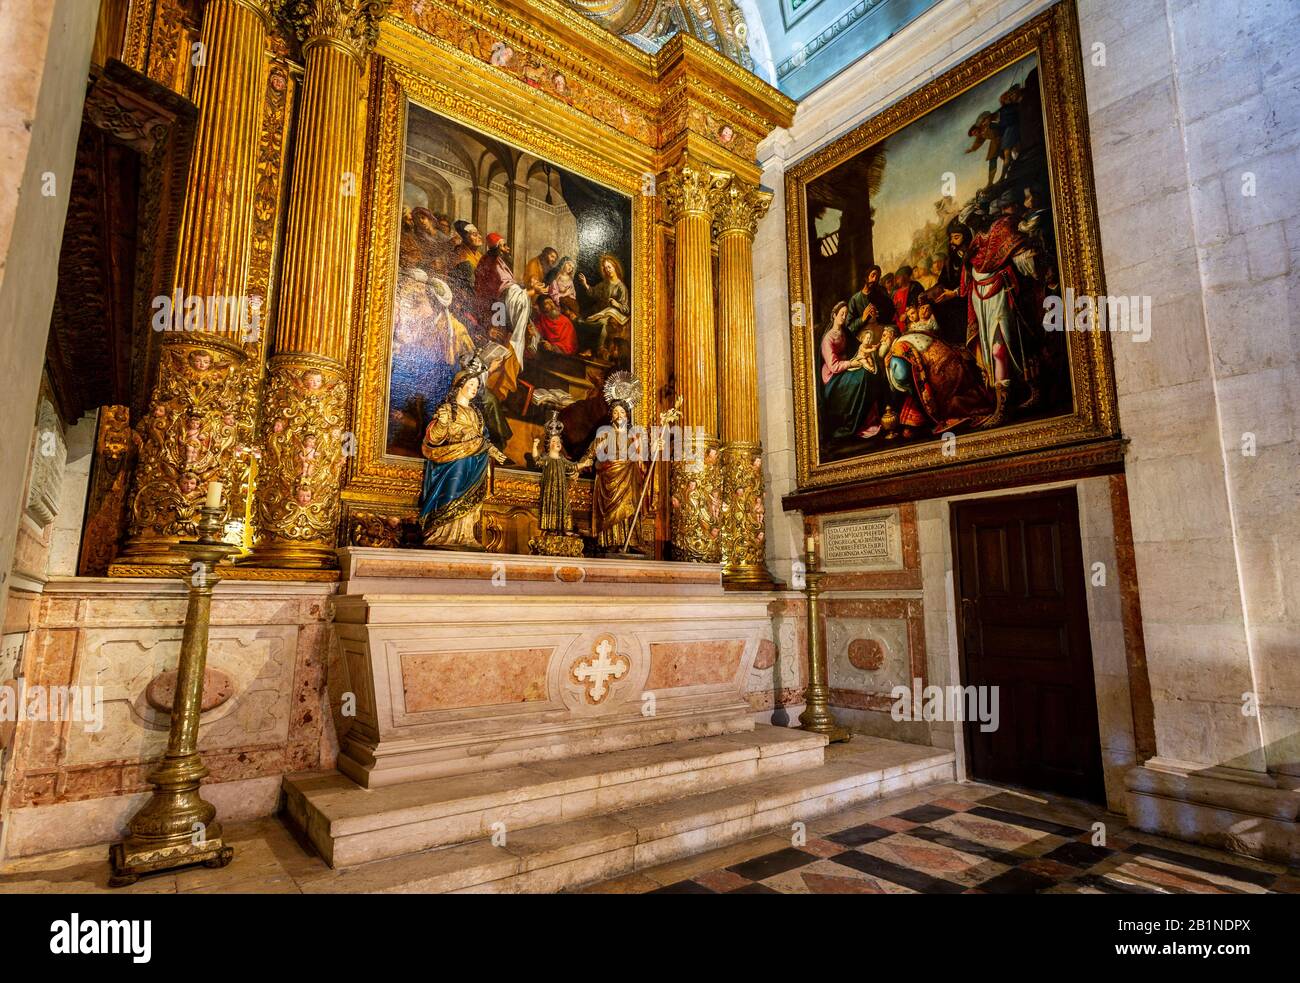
[1054, 35]
[415, 67]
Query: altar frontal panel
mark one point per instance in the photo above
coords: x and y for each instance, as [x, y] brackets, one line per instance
[447, 685]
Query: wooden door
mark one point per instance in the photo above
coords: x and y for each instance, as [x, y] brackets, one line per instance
[1023, 627]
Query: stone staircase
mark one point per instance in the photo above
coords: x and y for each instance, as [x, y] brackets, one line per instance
[569, 822]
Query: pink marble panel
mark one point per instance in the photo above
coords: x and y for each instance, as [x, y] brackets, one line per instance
[676, 664]
[483, 677]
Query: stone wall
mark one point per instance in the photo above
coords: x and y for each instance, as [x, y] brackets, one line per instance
[39, 124]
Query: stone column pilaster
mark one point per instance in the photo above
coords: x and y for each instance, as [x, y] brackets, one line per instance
[189, 435]
[305, 400]
[694, 483]
[738, 207]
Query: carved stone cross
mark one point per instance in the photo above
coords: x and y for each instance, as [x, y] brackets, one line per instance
[597, 672]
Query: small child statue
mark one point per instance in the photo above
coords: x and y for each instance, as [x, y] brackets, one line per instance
[555, 516]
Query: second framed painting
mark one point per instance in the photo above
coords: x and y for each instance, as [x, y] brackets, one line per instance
[926, 248]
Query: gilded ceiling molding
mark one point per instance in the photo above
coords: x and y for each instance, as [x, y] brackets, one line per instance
[650, 23]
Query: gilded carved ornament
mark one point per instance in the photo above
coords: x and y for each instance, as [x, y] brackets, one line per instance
[739, 206]
[303, 449]
[689, 190]
[189, 437]
[350, 24]
[743, 510]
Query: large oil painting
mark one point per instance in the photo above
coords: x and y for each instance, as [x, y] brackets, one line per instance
[925, 256]
[515, 267]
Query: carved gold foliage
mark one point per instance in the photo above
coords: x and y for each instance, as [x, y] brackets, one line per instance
[303, 445]
[743, 538]
[695, 489]
[555, 544]
[690, 188]
[387, 531]
[351, 24]
[189, 436]
[739, 206]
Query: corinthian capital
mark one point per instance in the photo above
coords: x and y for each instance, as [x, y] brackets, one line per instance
[738, 206]
[689, 188]
[352, 25]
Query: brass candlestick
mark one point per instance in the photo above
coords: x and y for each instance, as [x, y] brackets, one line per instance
[817, 716]
[176, 827]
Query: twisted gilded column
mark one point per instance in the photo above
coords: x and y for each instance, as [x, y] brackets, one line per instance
[695, 483]
[737, 209]
[304, 404]
[189, 435]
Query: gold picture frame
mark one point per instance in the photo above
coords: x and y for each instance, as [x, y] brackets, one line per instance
[416, 69]
[921, 469]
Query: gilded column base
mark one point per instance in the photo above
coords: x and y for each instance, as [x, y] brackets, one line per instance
[744, 540]
[304, 442]
[189, 437]
[695, 522]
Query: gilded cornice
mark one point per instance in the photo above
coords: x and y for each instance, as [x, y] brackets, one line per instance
[557, 35]
[687, 86]
[728, 81]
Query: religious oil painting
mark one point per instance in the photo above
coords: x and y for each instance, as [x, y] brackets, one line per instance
[926, 257]
[516, 268]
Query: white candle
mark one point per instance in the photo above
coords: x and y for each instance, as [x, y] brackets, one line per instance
[214, 495]
[811, 543]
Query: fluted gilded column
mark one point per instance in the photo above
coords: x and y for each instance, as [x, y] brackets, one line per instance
[738, 207]
[189, 435]
[695, 486]
[303, 439]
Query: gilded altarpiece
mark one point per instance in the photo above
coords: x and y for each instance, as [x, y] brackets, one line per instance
[532, 77]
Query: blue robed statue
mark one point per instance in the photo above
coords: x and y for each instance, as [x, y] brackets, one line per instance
[456, 450]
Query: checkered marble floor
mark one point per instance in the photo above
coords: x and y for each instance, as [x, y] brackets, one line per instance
[965, 839]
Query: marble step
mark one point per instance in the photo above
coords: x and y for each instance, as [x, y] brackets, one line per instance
[350, 825]
[567, 854]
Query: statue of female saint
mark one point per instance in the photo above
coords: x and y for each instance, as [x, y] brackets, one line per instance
[456, 451]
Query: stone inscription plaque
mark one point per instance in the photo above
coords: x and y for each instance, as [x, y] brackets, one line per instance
[862, 541]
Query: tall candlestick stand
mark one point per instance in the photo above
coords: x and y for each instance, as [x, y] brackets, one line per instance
[817, 716]
[176, 827]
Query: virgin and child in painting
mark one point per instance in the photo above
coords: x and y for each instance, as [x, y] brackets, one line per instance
[930, 311]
